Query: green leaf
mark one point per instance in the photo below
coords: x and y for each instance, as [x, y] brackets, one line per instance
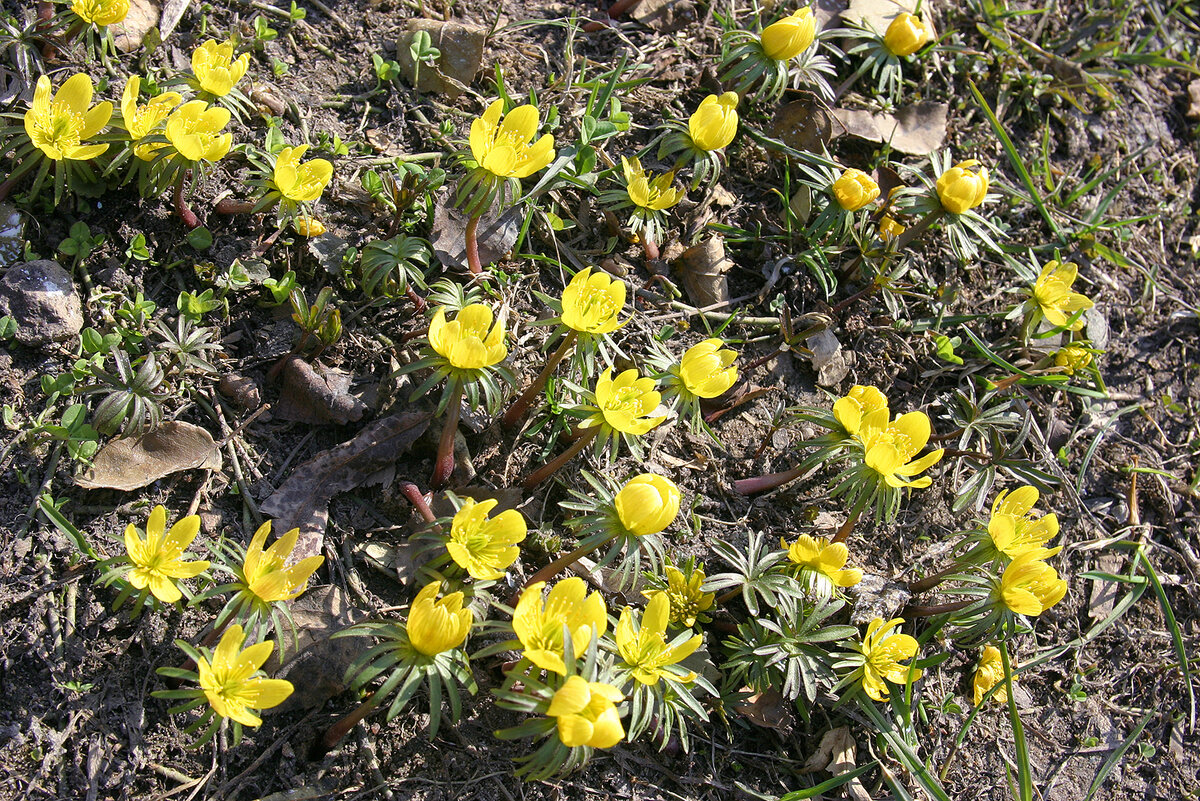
[200, 238]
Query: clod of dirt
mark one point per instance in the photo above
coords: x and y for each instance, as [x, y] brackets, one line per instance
[12, 233]
[129, 33]
[804, 124]
[240, 389]
[303, 500]
[827, 357]
[315, 664]
[134, 462]
[769, 710]
[41, 297]
[1193, 112]
[461, 49]
[495, 235]
[664, 16]
[313, 394]
[916, 129]
[876, 596]
[704, 267]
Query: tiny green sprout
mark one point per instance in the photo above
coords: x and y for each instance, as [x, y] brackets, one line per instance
[263, 32]
[193, 307]
[281, 289]
[8, 328]
[422, 51]
[392, 267]
[322, 320]
[385, 71]
[945, 348]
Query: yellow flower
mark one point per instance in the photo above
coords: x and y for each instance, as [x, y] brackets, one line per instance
[436, 626]
[655, 195]
[627, 402]
[587, 713]
[504, 149]
[857, 404]
[906, 35]
[592, 302]
[140, 121]
[884, 652]
[1012, 528]
[647, 504]
[485, 546]
[707, 369]
[539, 624]
[100, 12]
[1073, 358]
[470, 341]
[889, 449]
[855, 189]
[645, 650]
[1029, 586]
[824, 559]
[1052, 294]
[990, 673]
[158, 560]
[715, 122]
[302, 183]
[58, 126]
[230, 683]
[686, 599]
[216, 69]
[195, 131]
[889, 228]
[961, 190]
[265, 574]
[308, 226]
[790, 36]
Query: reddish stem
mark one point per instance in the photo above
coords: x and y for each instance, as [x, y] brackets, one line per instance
[230, 206]
[443, 466]
[337, 731]
[929, 582]
[651, 249]
[520, 406]
[937, 609]
[847, 527]
[560, 564]
[417, 498]
[181, 207]
[550, 468]
[472, 246]
[417, 301]
[753, 486]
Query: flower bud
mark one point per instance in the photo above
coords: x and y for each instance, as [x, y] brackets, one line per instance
[715, 122]
[707, 369]
[855, 189]
[790, 36]
[959, 189]
[435, 626]
[647, 504]
[906, 35]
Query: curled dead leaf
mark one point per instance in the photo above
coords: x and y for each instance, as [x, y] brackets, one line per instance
[704, 267]
[769, 710]
[311, 394]
[916, 129]
[134, 462]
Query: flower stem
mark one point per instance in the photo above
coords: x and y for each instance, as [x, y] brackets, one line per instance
[443, 466]
[848, 526]
[938, 609]
[753, 486]
[181, 207]
[414, 496]
[472, 246]
[931, 581]
[520, 406]
[563, 562]
[551, 467]
[906, 238]
[650, 248]
[230, 206]
[337, 731]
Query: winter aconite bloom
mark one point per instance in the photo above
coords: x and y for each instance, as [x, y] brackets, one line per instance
[654, 195]
[539, 623]
[889, 228]
[1073, 358]
[507, 149]
[686, 598]
[822, 562]
[855, 189]
[1013, 529]
[470, 341]
[195, 130]
[906, 35]
[644, 649]
[990, 673]
[232, 683]
[302, 183]
[216, 69]
[1029, 586]
[1054, 298]
[890, 448]
[587, 714]
[715, 122]
[434, 625]
[959, 189]
[790, 36]
[158, 560]
[58, 126]
[264, 571]
[592, 302]
[101, 12]
[883, 652]
[485, 546]
[141, 121]
[308, 226]
[627, 402]
[647, 504]
[857, 404]
[707, 369]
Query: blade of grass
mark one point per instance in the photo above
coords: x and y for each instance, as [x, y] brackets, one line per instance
[1024, 775]
[1116, 756]
[829, 785]
[1176, 636]
[911, 761]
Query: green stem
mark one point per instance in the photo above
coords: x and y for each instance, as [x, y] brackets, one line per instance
[550, 468]
[443, 466]
[520, 406]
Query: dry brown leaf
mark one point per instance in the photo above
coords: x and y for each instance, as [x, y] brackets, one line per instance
[303, 500]
[769, 710]
[877, 13]
[134, 462]
[664, 16]
[316, 395]
[827, 358]
[495, 236]
[704, 267]
[172, 13]
[916, 129]
[240, 389]
[803, 124]
[129, 32]
[1104, 593]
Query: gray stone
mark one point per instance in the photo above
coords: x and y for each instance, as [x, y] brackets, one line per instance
[41, 297]
[461, 49]
[12, 234]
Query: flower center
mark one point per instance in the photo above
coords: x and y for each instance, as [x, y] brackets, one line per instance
[61, 128]
[627, 399]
